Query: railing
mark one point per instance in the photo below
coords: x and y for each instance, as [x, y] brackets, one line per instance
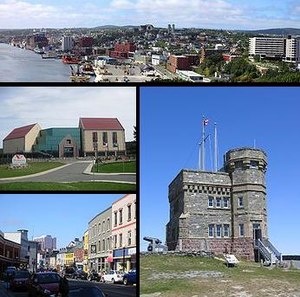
[264, 251]
[273, 249]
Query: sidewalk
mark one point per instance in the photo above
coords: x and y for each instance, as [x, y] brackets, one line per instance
[3, 291]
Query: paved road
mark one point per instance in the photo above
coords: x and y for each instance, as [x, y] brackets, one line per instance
[113, 290]
[73, 172]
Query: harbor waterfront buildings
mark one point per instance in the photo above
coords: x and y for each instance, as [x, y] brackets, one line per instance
[224, 211]
[93, 137]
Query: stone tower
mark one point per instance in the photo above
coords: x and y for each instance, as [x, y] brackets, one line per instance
[224, 211]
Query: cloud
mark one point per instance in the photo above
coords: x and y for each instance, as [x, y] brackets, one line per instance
[63, 106]
[226, 14]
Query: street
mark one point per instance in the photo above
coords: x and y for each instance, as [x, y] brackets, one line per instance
[73, 173]
[113, 290]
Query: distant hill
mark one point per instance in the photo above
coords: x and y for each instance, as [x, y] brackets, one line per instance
[114, 27]
[276, 31]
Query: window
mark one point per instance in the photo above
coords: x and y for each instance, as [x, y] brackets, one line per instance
[240, 201]
[103, 245]
[115, 241]
[254, 164]
[108, 244]
[225, 202]
[210, 201]
[226, 230]
[104, 139]
[129, 212]
[129, 238]
[218, 202]
[211, 230]
[108, 224]
[120, 240]
[99, 245]
[68, 141]
[218, 230]
[99, 228]
[241, 230]
[103, 226]
[134, 209]
[121, 216]
[95, 137]
[116, 219]
[114, 139]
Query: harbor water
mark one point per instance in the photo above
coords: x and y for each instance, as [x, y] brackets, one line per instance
[21, 65]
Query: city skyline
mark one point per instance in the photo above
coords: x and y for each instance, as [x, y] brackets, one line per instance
[63, 106]
[261, 117]
[217, 14]
[63, 218]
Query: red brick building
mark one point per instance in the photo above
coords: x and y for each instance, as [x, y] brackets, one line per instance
[122, 50]
[183, 62]
[86, 41]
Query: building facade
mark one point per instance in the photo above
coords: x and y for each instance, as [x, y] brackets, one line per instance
[124, 232]
[93, 137]
[270, 47]
[9, 253]
[20, 237]
[221, 212]
[21, 139]
[67, 43]
[99, 238]
[46, 242]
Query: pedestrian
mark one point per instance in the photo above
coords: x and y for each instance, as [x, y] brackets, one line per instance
[64, 286]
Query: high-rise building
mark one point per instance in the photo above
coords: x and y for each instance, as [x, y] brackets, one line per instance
[269, 47]
[225, 211]
[292, 50]
[46, 242]
[67, 43]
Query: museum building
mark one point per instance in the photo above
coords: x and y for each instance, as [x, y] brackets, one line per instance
[94, 136]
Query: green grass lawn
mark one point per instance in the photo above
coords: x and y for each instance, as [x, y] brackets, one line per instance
[180, 276]
[79, 186]
[117, 167]
[32, 168]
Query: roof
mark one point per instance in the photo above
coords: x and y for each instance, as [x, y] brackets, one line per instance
[100, 124]
[19, 132]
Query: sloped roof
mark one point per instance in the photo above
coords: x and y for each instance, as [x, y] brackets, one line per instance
[19, 132]
[100, 124]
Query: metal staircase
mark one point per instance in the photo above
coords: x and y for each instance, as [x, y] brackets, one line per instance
[268, 251]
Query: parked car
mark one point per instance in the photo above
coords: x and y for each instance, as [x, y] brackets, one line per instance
[19, 280]
[129, 277]
[93, 275]
[86, 291]
[113, 276]
[80, 274]
[43, 284]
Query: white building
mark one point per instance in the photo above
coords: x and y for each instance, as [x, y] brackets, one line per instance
[67, 43]
[292, 50]
[20, 237]
[270, 47]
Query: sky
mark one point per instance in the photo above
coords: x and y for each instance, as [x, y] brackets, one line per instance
[215, 14]
[64, 216]
[63, 106]
[265, 117]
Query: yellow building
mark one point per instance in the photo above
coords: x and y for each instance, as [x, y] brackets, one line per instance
[69, 259]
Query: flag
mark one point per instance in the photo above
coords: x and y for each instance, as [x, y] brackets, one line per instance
[205, 122]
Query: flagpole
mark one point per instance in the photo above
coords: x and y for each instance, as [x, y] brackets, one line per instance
[202, 147]
[216, 149]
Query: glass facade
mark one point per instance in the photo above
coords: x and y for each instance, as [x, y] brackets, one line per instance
[49, 141]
